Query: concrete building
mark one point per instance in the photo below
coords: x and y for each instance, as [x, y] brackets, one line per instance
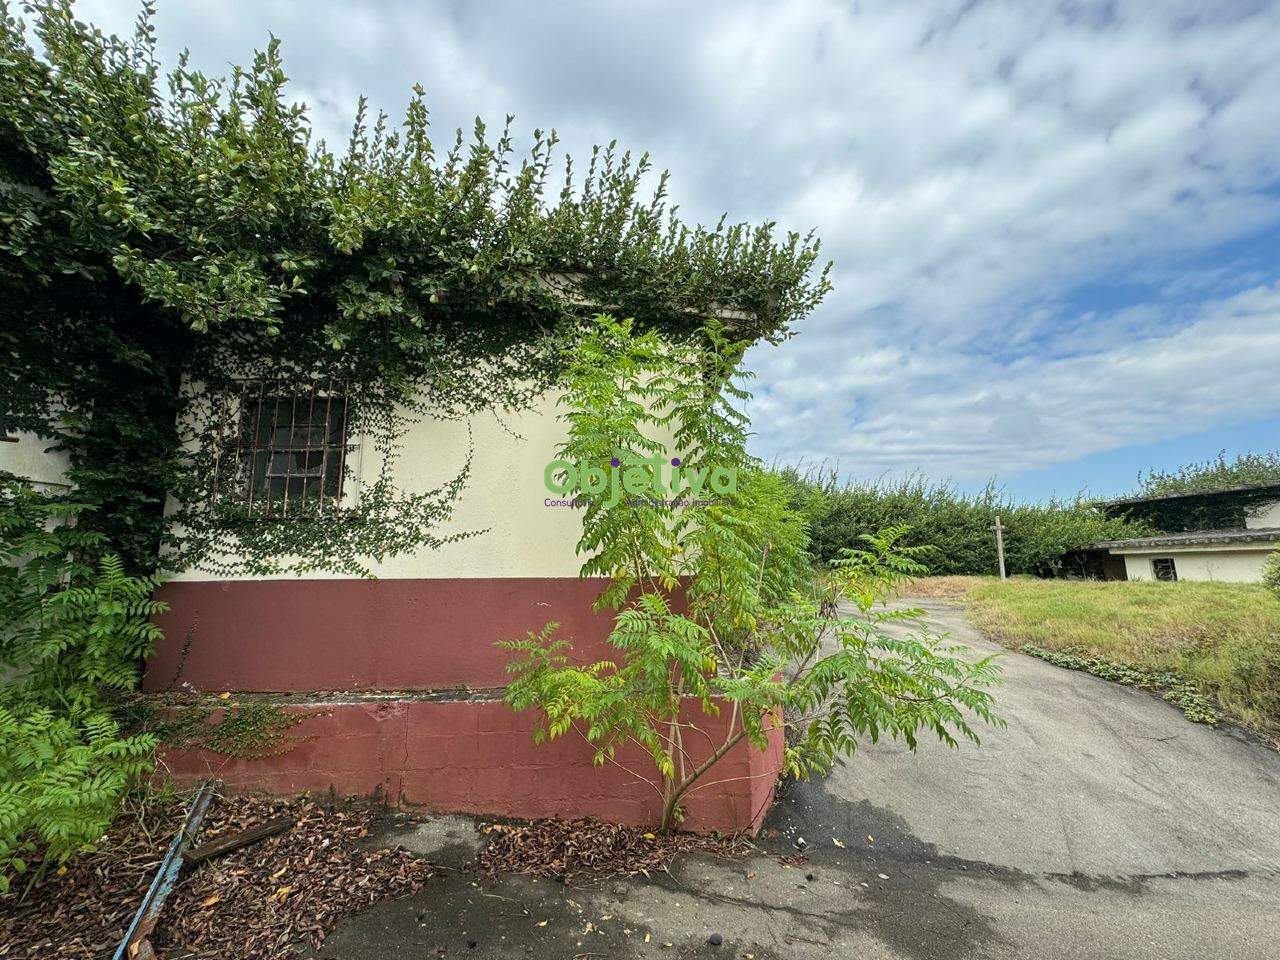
[398, 675]
[1246, 531]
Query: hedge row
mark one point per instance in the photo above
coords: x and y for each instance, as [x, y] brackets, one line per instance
[958, 526]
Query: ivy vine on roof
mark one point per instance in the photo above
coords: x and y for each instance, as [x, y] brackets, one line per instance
[165, 236]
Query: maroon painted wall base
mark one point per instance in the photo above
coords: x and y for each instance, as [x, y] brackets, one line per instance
[457, 755]
[478, 757]
[300, 635]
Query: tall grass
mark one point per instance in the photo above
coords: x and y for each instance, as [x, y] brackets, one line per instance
[1224, 637]
[957, 525]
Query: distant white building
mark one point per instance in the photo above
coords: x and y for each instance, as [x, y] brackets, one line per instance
[1233, 553]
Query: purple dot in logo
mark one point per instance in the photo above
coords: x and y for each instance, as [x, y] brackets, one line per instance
[675, 461]
[615, 462]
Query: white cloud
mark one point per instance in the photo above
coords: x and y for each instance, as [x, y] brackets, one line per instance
[1004, 418]
[968, 166]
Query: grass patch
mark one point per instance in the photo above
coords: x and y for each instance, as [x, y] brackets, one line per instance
[249, 731]
[955, 587]
[1192, 641]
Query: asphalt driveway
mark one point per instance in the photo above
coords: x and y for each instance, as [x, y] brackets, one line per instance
[1100, 823]
[1090, 778]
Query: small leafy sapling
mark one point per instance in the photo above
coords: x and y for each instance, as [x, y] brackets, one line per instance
[716, 605]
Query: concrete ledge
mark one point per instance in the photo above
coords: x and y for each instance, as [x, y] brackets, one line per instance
[478, 756]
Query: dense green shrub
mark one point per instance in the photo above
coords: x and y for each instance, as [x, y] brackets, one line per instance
[164, 235]
[72, 630]
[1217, 474]
[1271, 574]
[957, 526]
[62, 776]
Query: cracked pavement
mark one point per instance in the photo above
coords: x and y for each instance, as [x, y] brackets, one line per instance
[1101, 823]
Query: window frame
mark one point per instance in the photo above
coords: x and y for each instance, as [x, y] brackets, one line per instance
[245, 464]
[1172, 569]
[5, 435]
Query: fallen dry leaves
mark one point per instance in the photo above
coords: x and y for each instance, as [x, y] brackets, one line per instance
[563, 849]
[278, 895]
[261, 901]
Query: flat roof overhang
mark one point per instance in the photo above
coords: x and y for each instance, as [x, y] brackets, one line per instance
[1265, 538]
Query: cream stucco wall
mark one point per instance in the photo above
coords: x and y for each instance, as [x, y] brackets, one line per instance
[31, 459]
[1264, 515]
[505, 501]
[1232, 565]
[505, 498]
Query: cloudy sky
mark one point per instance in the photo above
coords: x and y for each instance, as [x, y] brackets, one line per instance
[1056, 226]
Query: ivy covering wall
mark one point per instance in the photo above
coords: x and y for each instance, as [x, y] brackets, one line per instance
[1217, 494]
[165, 233]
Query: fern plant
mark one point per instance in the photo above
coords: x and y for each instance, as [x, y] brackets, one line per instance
[869, 574]
[715, 604]
[73, 627]
[62, 775]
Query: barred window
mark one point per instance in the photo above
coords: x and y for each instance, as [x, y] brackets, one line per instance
[4, 426]
[287, 449]
[1164, 568]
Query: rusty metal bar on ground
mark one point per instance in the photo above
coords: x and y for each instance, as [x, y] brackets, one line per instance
[223, 845]
[135, 945]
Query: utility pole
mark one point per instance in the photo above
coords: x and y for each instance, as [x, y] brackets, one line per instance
[1000, 547]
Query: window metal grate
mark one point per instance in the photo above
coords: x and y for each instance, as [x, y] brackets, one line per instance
[1164, 569]
[4, 426]
[286, 449]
